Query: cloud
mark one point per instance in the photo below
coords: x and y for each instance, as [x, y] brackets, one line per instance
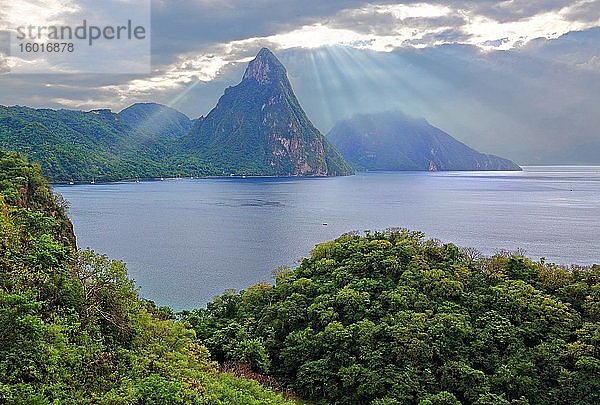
[38, 13]
[484, 30]
[4, 67]
[212, 35]
[493, 73]
[593, 63]
[61, 22]
[587, 11]
[204, 24]
[384, 28]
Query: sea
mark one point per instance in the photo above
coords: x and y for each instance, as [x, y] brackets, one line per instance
[185, 241]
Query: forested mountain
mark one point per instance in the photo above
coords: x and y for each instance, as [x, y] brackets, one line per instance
[72, 327]
[259, 127]
[140, 141]
[156, 120]
[394, 141]
[391, 318]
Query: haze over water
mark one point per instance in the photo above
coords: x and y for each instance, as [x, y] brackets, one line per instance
[186, 241]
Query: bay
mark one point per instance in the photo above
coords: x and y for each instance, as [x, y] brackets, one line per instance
[187, 240]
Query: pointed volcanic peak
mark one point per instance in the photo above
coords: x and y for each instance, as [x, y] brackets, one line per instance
[259, 128]
[265, 69]
[394, 141]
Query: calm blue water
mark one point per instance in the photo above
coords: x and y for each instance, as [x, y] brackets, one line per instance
[186, 241]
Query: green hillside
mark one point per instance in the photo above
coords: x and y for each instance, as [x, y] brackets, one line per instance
[99, 145]
[73, 329]
[391, 318]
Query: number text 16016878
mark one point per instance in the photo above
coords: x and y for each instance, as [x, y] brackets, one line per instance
[46, 47]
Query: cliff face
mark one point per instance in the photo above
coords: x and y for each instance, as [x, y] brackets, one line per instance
[393, 141]
[22, 186]
[259, 127]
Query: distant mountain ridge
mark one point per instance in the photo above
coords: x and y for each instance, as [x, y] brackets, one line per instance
[394, 141]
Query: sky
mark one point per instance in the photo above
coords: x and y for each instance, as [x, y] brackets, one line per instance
[518, 78]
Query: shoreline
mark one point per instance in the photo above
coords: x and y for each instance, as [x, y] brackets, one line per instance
[254, 176]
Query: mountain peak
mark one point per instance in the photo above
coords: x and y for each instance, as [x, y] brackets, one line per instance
[265, 68]
[395, 141]
[259, 127]
[151, 108]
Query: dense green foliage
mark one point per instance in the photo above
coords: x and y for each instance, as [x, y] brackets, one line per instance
[72, 327]
[139, 142]
[394, 141]
[389, 318]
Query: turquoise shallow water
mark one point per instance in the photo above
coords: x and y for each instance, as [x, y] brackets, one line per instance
[186, 241]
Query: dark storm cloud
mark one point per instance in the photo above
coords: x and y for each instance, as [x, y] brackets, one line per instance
[186, 25]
